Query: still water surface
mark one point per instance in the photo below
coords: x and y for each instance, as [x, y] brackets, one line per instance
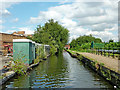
[60, 71]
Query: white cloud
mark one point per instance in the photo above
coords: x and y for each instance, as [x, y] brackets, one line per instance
[4, 12]
[1, 21]
[104, 35]
[3, 9]
[114, 28]
[82, 17]
[1, 27]
[10, 31]
[27, 30]
[15, 20]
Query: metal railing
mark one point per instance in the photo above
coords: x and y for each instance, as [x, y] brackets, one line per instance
[114, 51]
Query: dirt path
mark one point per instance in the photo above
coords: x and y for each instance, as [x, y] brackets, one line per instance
[109, 62]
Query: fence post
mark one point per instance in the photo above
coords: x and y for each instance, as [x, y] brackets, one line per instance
[104, 51]
[101, 52]
[92, 50]
[108, 52]
[113, 52]
[119, 53]
[98, 51]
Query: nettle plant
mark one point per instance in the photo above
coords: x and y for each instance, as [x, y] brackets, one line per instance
[18, 65]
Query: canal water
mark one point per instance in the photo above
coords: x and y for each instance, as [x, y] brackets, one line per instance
[60, 71]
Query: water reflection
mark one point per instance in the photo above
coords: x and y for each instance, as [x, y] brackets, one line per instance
[60, 71]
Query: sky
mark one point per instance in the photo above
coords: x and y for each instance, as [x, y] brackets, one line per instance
[80, 17]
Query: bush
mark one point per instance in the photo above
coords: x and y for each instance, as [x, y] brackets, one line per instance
[19, 66]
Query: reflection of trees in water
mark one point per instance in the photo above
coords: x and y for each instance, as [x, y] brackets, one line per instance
[21, 82]
[52, 71]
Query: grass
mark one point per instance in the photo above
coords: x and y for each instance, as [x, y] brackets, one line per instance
[72, 52]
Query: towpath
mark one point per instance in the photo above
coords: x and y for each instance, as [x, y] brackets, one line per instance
[109, 62]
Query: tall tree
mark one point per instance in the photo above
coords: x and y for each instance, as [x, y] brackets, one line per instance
[52, 33]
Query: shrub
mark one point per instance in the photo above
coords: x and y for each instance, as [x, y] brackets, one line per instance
[19, 66]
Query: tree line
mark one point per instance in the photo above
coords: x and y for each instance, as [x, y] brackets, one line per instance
[84, 42]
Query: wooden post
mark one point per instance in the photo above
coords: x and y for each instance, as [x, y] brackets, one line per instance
[104, 51]
[113, 52]
[101, 51]
[98, 51]
[108, 52]
[119, 53]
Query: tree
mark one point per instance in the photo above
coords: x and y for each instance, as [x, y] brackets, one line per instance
[52, 33]
[28, 37]
[111, 40]
[82, 40]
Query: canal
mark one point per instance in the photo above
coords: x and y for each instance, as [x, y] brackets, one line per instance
[60, 71]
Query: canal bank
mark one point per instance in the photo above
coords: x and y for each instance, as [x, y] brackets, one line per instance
[60, 71]
[108, 74]
[27, 54]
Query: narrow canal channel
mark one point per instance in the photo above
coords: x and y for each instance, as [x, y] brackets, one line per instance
[60, 71]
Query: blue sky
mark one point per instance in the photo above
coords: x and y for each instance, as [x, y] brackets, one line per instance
[80, 18]
[22, 13]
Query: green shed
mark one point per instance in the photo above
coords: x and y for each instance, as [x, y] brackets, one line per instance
[24, 49]
[97, 45]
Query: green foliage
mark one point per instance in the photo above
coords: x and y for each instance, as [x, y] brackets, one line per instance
[84, 41]
[99, 45]
[80, 57]
[19, 66]
[37, 60]
[41, 54]
[111, 40]
[112, 45]
[1, 77]
[86, 46]
[102, 64]
[52, 33]
[53, 50]
[28, 37]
